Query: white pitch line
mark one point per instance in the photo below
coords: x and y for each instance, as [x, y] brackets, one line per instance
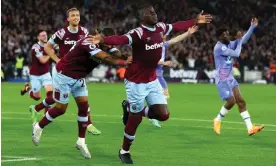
[18, 159]
[63, 120]
[179, 119]
[15, 157]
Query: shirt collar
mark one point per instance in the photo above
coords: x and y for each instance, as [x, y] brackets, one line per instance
[72, 31]
[41, 44]
[148, 28]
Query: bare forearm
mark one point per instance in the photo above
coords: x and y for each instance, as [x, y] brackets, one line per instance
[160, 63]
[118, 55]
[178, 38]
[50, 51]
[112, 61]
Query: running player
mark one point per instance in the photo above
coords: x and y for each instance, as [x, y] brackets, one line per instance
[162, 62]
[82, 58]
[140, 77]
[39, 72]
[224, 51]
[65, 38]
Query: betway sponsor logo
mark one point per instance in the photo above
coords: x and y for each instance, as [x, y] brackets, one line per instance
[154, 46]
[70, 42]
[191, 74]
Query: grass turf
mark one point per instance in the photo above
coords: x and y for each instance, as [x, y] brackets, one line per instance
[186, 139]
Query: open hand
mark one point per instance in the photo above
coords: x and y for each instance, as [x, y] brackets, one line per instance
[254, 21]
[203, 19]
[129, 60]
[168, 63]
[192, 29]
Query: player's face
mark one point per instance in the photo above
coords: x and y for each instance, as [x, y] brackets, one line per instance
[150, 17]
[74, 18]
[226, 37]
[42, 37]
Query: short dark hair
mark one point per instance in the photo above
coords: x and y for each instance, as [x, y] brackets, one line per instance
[220, 31]
[70, 10]
[39, 31]
[107, 31]
[141, 9]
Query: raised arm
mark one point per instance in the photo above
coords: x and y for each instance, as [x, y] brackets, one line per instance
[254, 24]
[230, 52]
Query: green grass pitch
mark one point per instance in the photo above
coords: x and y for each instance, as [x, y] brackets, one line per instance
[186, 139]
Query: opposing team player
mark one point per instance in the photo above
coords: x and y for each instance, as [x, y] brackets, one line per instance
[39, 72]
[162, 62]
[82, 58]
[224, 51]
[65, 38]
[140, 77]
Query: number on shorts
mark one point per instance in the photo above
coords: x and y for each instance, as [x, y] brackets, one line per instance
[82, 82]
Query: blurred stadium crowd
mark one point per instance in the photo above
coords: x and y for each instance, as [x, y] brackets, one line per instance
[22, 18]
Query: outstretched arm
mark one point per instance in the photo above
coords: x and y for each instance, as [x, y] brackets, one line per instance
[254, 24]
[116, 53]
[107, 58]
[183, 36]
[184, 25]
[116, 40]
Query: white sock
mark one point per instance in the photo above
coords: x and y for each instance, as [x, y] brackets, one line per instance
[122, 151]
[38, 127]
[81, 141]
[223, 111]
[246, 117]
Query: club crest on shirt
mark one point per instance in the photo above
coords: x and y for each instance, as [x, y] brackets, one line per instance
[148, 38]
[80, 36]
[65, 95]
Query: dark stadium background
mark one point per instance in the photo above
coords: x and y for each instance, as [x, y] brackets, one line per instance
[22, 18]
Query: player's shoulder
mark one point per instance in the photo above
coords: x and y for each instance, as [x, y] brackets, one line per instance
[164, 27]
[138, 31]
[60, 33]
[84, 30]
[161, 25]
[219, 47]
[86, 42]
[36, 46]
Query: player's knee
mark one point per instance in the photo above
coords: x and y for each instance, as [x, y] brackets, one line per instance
[231, 101]
[83, 108]
[61, 107]
[36, 98]
[62, 111]
[48, 88]
[164, 117]
[241, 103]
[49, 93]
